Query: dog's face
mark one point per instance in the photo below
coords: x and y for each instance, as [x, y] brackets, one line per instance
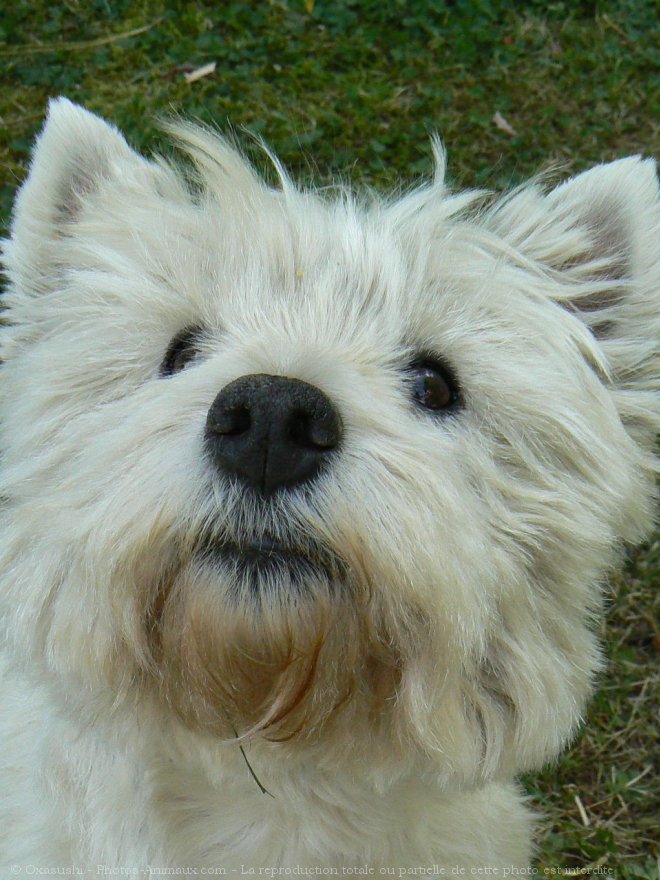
[323, 472]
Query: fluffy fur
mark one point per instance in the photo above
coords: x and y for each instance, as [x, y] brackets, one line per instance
[387, 705]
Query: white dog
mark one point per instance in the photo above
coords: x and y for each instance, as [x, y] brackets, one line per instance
[307, 504]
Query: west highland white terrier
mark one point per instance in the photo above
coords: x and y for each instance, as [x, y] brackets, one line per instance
[308, 500]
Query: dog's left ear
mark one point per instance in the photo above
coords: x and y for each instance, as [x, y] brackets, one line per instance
[598, 235]
[610, 219]
[76, 155]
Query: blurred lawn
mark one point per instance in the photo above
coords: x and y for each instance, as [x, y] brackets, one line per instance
[353, 89]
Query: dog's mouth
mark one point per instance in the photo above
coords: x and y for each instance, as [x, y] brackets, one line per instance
[269, 561]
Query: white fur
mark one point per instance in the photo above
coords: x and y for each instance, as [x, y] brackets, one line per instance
[486, 535]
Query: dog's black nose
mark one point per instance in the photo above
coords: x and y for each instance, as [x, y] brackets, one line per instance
[271, 431]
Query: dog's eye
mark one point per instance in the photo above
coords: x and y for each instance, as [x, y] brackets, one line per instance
[433, 385]
[181, 350]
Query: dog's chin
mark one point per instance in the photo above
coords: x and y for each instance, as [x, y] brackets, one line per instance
[271, 637]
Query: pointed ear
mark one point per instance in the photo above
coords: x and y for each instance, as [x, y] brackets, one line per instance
[598, 237]
[598, 230]
[613, 274]
[612, 214]
[75, 155]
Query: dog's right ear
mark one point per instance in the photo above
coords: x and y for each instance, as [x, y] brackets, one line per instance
[76, 154]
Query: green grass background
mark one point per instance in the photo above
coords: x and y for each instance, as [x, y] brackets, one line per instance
[353, 89]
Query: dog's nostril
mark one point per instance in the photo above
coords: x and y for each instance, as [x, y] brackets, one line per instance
[315, 431]
[230, 421]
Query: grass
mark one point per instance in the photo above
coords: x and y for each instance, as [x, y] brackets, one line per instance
[353, 89]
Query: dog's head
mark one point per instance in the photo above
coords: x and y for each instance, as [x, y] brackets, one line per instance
[319, 469]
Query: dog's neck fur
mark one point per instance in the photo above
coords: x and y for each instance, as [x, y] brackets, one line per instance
[199, 805]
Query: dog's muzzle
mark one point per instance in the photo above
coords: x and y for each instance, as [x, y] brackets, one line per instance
[272, 432]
